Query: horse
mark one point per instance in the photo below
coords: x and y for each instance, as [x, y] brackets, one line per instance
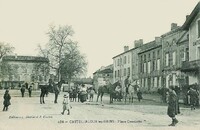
[132, 89]
[44, 91]
[110, 88]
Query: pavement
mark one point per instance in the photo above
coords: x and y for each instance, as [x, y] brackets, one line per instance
[28, 113]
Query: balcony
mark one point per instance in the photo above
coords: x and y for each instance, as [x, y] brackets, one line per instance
[191, 66]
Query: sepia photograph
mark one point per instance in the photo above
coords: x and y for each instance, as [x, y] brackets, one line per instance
[99, 64]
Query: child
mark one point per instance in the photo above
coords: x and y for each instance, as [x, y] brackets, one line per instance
[6, 101]
[139, 95]
[66, 104]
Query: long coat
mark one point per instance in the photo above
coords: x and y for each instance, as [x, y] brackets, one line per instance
[172, 104]
[6, 99]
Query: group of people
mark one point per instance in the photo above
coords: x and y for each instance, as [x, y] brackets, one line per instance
[24, 87]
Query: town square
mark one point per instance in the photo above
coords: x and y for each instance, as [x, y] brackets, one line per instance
[99, 64]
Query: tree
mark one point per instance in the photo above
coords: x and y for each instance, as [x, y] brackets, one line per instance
[73, 64]
[63, 53]
[5, 49]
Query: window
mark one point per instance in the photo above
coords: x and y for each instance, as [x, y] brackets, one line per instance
[167, 59]
[149, 65]
[144, 82]
[149, 56]
[117, 62]
[158, 64]
[120, 61]
[118, 73]
[154, 65]
[128, 73]
[145, 68]
[174, 58]
[154, 55]
[158, 81]
[124, 59]
[124, 71]
[128, 58]
[198, 27]
[115, 74]
[144, 58]
[158, 53]
[198, 53]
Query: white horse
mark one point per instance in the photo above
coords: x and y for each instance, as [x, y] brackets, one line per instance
[129, 93]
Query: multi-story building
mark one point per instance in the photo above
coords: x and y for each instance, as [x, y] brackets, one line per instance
[150, 67]
[126, 63]
[103, 74]
[30, 69]
[192, 24]
[170, 55]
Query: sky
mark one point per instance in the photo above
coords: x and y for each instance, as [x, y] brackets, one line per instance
[102, 27]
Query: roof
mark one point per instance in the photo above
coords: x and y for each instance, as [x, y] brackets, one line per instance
[149, 46]
[25, 58]
[191, 17]
[125, 52]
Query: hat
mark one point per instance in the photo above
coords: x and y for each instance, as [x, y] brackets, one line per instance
[7, 90]
[65, 96]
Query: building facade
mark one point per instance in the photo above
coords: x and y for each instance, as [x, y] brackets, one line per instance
[103, 74]
[126, 64]
[171, 58]
[21, 69]
[150, 67]
[192, 67]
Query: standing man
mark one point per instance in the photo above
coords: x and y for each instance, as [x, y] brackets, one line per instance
[172, 100]
[22, 90]
[30, 90]
[56, 91]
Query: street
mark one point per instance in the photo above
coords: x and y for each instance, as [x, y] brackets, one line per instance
[28, 113]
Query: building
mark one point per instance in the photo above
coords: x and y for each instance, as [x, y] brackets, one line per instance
[150, 67]
[103, 74]
[126, 63]
[21, 69]
[171, 57]
[192, 67]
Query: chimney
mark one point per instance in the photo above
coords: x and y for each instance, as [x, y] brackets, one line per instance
[138, 43]
[157, 39]
[187, 16]
[173, 26]
[126, 48]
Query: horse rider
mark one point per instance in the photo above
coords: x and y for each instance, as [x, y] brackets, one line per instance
[126, 83]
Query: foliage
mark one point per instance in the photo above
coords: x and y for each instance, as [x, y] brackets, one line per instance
[63, 53]
[5, 49]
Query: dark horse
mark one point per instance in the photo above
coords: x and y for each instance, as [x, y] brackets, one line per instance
[111, 90]
[44, 91]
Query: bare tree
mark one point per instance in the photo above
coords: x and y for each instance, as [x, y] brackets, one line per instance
[5, 49]
[59, 48]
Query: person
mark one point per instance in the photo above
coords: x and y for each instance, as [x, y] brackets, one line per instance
[178, 91]
[193, 98]
[139, 95]
[6, 101]
[26, 85]
[66, 104]
[56, 91]
[22, 90]
[30, 90]
[118, 90]
[172, 100]
[126, 83]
